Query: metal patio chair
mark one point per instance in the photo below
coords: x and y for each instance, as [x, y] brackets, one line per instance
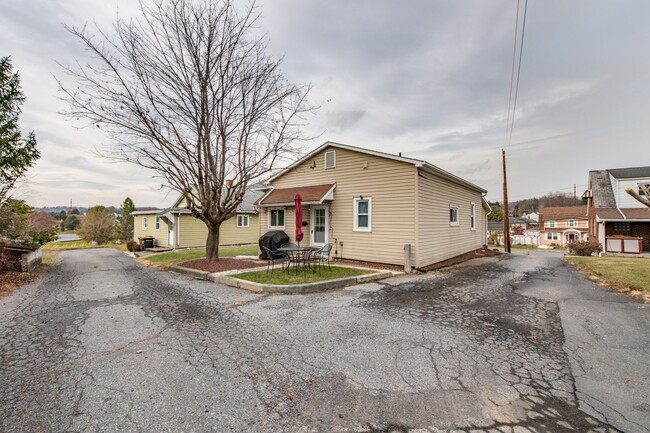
[322, 256]
[275, 257]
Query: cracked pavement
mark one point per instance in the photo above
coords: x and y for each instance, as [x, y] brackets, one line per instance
[520, 344]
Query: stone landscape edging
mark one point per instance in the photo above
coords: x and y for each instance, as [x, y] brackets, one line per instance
[319, 286]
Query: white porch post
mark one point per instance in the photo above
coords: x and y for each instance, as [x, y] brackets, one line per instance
[601, 235]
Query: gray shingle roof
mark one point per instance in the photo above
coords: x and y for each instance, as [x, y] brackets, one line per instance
[601, 188]
[252, 194]
[630, 172]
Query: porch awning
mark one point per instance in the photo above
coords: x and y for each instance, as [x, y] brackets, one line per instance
[313, 194]
[167, 214]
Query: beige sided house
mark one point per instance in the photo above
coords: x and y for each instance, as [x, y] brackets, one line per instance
[563, 225]
[175, 227]
[370, 204]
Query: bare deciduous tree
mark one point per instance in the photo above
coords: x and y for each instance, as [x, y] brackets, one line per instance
[188, 91]
[646, 191]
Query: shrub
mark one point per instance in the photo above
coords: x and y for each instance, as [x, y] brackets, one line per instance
[98, 226]
[41, 237]
[132, 246]
[584, 248]
[71, 223]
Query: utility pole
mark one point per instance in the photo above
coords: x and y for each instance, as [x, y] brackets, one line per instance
[575, 198]
[506, 216]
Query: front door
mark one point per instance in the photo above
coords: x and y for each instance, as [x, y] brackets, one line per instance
[319, 225]
[171, 233]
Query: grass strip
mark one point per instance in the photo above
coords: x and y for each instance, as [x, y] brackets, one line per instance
[283, 278]
[79, 244]
[620, 273]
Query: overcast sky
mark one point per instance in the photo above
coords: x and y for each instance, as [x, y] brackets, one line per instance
[427, 78]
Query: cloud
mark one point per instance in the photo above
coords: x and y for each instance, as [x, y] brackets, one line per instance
[431, 78]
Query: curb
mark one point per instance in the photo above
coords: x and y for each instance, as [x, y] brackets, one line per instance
[195, 273]
[294, 289]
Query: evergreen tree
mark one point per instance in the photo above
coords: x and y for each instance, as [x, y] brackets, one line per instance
[17, 154]
[125, 220]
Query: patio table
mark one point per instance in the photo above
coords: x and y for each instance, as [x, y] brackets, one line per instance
[298, 257]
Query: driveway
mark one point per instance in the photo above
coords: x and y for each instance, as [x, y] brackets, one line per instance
[524, 344]
[63, 237]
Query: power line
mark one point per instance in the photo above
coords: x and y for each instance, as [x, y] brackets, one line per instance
[521, 52]
[512, 72]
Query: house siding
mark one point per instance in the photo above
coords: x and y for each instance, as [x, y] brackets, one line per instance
[438, 239]
[562, 225]
[623, 199]
[194, 232]
[388, 182]
[161, 236]
[230, 234]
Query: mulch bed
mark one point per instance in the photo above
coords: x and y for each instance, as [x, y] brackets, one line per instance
[462, 258]
[223, 264]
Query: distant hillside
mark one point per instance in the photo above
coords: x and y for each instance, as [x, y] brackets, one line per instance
[554, 199]
[82, 210]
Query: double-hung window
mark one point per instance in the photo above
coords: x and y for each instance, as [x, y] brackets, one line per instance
[276, 218]
[573, 223]
[144, 223]
[330, 159]
[552, 236]
[242, 220]
[472, 215]
[363, 214]
[453, 216]
[158, 223]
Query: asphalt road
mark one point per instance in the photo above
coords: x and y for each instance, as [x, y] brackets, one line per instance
[524, 344]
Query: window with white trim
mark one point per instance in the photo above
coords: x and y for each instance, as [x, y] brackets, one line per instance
[572, 223]
[276, 218]
[158, 223]
[472, 215]
[362, 214]
[551, 224]
[144, 223]
[552, 236]
[330, 159]
[453, 216]
[242, 220]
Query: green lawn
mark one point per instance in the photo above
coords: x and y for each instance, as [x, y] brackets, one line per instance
[282, 278]
[80, 244]
[619, 272]
[170, 258]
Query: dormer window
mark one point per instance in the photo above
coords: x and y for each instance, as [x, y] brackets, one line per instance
[330, 159]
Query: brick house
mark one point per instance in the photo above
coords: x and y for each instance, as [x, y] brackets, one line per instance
[616, 220]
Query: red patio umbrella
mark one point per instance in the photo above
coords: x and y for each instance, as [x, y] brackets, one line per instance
[297, 200]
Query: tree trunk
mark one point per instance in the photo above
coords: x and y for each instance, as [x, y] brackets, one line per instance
[212, 244]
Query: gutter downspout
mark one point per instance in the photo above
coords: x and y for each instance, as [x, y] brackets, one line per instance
[485, 227]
